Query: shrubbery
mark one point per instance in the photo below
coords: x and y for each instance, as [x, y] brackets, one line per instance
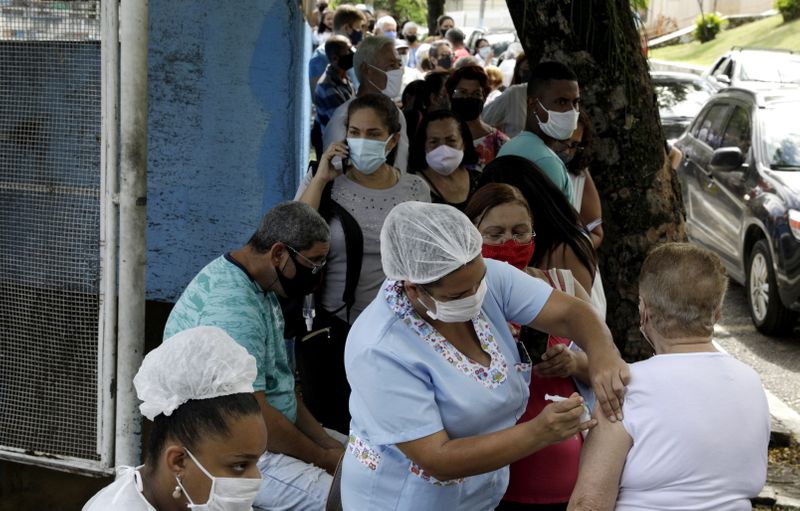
[790, 9]
[707, 27]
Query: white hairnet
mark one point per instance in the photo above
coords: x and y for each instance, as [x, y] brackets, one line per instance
[198, 363]
[423, 242]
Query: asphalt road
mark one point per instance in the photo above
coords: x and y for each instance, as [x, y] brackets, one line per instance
[777, 360]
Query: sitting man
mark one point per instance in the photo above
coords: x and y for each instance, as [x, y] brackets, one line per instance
[237, 292]
[696, 426]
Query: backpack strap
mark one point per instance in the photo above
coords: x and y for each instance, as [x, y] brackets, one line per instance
[354, 246]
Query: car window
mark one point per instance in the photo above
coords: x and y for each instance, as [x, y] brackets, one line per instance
[737, 134]
[680, 98]
[718, 69]
[710, 129]
[767, 67]
[782, 136]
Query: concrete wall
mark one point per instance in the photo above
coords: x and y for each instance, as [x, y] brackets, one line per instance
[227, 139]
[226, 128]
[666, 15]
[465, 13]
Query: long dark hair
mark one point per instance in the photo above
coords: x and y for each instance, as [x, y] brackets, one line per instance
[555, 220]
[416, 153]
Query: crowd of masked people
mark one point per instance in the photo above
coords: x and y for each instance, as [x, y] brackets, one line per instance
[423, 327]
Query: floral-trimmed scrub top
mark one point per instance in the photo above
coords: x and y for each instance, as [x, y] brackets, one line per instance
[408, 382]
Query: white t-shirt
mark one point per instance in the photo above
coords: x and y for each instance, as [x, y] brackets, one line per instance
[700, 428]
[125, 493]
[509, 110]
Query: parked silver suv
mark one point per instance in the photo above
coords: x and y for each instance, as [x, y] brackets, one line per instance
[755, 68]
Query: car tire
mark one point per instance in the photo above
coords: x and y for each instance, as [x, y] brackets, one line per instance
[766, 309]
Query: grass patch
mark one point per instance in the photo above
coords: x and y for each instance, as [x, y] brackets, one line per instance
[767, 33]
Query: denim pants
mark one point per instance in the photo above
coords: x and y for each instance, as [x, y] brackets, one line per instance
[292, 484]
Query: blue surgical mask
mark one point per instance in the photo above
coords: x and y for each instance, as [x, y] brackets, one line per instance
[367, 155]
[391, 35]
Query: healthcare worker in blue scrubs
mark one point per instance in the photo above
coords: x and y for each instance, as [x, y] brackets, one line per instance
[438, 382]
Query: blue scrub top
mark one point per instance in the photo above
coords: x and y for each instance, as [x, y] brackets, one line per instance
[408, 382]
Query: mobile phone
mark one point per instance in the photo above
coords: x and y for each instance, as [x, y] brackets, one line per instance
[535, 342]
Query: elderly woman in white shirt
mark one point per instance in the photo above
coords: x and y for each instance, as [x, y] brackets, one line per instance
[696, 427]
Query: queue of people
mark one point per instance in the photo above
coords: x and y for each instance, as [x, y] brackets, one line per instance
[437, 281]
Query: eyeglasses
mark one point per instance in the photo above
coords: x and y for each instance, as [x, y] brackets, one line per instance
[315, 267]
[522, 238]
[461, 93]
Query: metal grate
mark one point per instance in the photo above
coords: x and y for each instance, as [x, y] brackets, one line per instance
[50, 125]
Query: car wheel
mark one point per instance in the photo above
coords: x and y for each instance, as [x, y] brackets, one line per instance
[768, 313]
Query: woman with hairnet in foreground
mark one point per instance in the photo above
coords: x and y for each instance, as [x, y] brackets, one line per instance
[438, 382]
[207, 433]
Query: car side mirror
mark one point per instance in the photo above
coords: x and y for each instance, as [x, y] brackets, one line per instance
[726, 159]
[722, 78]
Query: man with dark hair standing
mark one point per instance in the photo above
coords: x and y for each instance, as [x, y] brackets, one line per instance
[456, 38]
[553, 107]
[348, 22]
[238, 292]
[334, 88]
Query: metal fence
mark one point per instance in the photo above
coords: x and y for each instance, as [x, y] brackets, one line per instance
[51, 204]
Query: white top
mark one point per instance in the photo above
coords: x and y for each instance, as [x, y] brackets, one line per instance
[124, 494]
[335, 131]
[509, 110]
[700, 429]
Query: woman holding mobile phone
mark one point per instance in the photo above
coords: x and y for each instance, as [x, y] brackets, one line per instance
[355, 202]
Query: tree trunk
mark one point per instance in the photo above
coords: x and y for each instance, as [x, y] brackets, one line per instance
[435, 9]
[640, 193]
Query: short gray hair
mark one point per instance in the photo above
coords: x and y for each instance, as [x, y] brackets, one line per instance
[383, 20]
[409, 25]
[436, 45]
[367, 53]
[293, 223]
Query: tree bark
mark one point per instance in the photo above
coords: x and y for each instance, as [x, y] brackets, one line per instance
[435, 9]
[640, 193]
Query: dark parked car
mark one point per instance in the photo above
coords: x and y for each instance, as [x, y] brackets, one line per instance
[740, 179]
[755, 67]
[680, 98]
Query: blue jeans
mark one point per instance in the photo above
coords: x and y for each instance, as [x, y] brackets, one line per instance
[292, 484]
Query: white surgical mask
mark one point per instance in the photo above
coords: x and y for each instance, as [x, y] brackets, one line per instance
[227, 493]
[367, 155]
[404, 59]
[444, 159]
[394, 82]
[559, 125]
[458, 311]
[484, 52]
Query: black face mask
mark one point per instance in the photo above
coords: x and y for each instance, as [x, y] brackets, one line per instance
[443, 31]
[445, 62]
[467, 108]
[411, 39]
[303, 283]
[345, 61]
[355, 37]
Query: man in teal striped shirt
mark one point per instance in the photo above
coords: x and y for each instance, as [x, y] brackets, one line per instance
[238, 293]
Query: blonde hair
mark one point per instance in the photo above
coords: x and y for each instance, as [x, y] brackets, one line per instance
[495, 76]
[682, 286]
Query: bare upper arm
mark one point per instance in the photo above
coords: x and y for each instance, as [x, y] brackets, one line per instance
[602, 460]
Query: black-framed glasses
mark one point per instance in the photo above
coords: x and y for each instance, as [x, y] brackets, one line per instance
[315, 267]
